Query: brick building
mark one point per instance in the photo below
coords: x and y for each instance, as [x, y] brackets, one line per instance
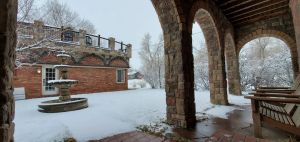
[99, 64]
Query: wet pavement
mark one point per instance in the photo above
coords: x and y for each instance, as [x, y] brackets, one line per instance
[240, 121]
[239, 125]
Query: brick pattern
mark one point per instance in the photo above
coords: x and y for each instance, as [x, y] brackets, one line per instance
[8, 14]
[134, 136]
[92, 61]
[96, 80]
[227, 136]
[118, 62]
[28, 78]
[95, 73]
[91, 80]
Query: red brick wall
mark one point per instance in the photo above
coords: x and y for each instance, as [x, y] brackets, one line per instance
[93, 61]
[118, 63]
[27, 77]
[91, 80]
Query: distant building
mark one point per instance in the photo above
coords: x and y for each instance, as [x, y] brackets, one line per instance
[135, 75]
[99, 64]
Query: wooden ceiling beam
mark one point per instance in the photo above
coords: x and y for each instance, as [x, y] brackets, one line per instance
[261, 13]
[257, 9]
[255, 5]
[227, 2]
[238, 4]
[258, 18]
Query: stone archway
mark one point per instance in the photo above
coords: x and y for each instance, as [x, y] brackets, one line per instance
[233, 75]
[291, 43]
[217, 75]
[179, 72]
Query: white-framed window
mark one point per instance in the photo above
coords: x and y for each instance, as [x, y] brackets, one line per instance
[120, 75]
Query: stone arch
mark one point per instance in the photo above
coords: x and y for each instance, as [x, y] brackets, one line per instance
[92, 59]
[118, 62]
[202, 12]
[291, 43]
[179, 72]
[233, 75]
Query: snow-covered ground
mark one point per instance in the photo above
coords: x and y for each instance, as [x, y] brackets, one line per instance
[138, 84]
[108, 113]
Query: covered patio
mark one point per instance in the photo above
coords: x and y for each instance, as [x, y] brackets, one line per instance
[227, 26]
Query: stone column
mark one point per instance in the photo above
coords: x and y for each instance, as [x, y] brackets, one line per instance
[233, 74]
[295, 9]
[216, 59]
[8, 21]
[179, 72]
[38, 30]
[112, 43]
[129, 50]
[82, 38]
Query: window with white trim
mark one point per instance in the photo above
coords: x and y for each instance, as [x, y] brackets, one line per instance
[120, 76]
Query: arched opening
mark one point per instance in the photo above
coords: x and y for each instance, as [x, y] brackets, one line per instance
[216, 74]
[265, 61]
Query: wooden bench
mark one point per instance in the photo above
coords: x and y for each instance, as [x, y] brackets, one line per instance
[289, 90]
[281, 111]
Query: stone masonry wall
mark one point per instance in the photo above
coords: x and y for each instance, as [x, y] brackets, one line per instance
[8, 14]
[179, 73]
[233, 74]
[279, 27]
[295, 10]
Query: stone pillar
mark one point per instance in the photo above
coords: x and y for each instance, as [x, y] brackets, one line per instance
[38, 30]
[112, 43]
[233, 74]
[179, 72]
[216, 59]
[8, 21]
[295, 9]
[82, 38]
[129, 50]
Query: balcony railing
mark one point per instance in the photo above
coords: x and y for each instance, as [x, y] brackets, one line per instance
[64, 36]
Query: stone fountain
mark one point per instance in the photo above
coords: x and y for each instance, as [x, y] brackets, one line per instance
[64, 102]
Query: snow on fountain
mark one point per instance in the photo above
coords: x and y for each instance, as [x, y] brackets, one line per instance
[65, 102]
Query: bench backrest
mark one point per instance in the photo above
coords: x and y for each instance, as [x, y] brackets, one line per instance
[296, 116]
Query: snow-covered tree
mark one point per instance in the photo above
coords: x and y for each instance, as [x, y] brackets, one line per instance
[152, 58]
[51, 13]
[265, 62]
[201, 67]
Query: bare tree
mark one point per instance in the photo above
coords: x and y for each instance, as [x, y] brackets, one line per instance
[201, 66]
[52, 13]
[26, 10]
[152, 61]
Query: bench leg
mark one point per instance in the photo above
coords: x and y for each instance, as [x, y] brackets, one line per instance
[257, 125]
[256, 119]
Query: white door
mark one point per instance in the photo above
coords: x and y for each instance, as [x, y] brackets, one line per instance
[49, 73]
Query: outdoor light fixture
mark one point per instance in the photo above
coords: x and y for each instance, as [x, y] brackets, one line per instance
[38, 71]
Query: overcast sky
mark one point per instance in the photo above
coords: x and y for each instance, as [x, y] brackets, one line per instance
[126, 20]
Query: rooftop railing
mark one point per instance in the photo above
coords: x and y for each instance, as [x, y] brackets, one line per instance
[67, 35]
